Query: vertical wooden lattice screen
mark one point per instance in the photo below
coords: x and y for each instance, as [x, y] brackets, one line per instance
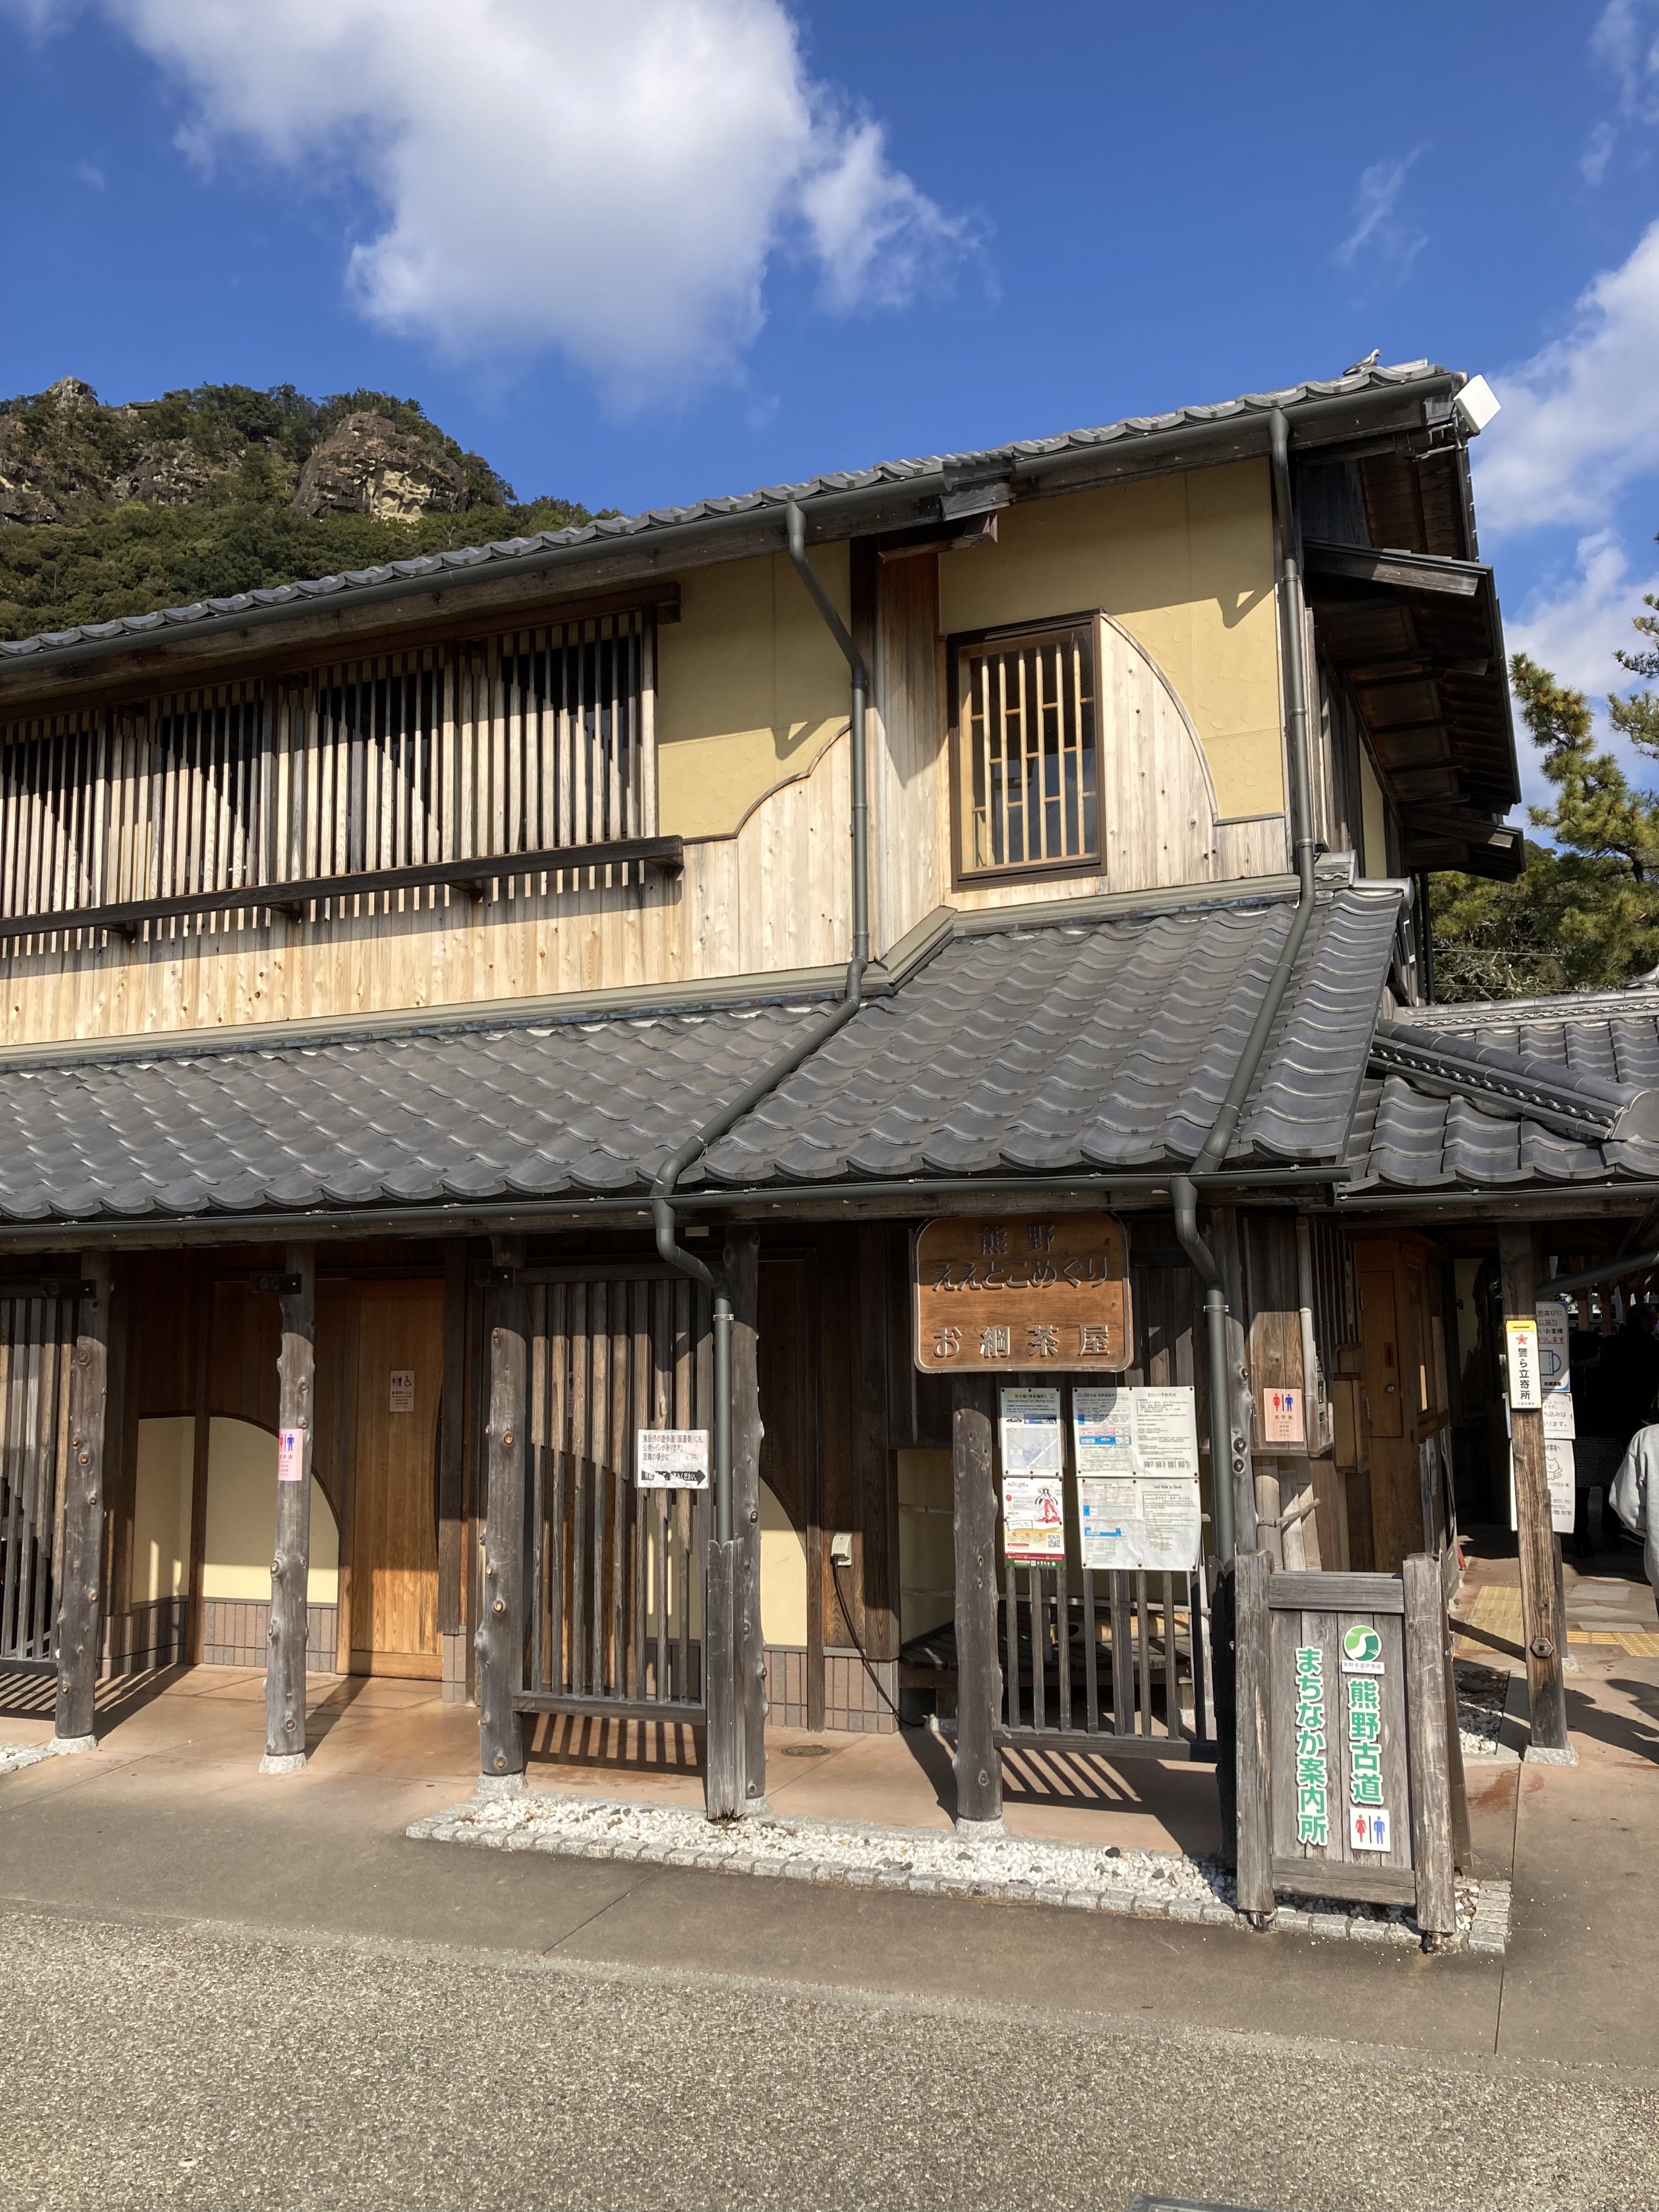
[1026, 718]
[614, 1598]
[37, 1338]
[514, 744]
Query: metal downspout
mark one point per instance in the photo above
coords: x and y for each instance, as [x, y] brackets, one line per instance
[662, 1217]
[1213, 1150]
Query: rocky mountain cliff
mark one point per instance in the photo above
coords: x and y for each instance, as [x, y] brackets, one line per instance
[107, 510]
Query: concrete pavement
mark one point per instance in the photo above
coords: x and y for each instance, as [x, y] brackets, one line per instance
[222, 1989]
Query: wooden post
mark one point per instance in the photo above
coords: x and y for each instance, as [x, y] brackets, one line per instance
[1542, 1611]
[501, 1631]
[120, 1480]
[1223, 1238]
[1462, 1847]
[201, 1444]
[1254, 1753]
[290, 1558]
[741, 1262]
[452, 1447]
[978, 1762]
[80, 1558]
[1430, 1773]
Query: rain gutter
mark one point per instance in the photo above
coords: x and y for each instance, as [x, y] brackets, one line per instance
[1214, 1149]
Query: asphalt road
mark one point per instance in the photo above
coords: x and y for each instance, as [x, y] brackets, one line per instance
[210, 2065]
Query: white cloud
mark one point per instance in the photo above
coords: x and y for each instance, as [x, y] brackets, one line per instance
[1574, 628]
[611, 181]
[1377, 224]
[1626, 42]
[1581, 418]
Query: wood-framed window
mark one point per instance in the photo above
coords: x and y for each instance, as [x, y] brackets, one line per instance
[1025, 768]
[530, 742]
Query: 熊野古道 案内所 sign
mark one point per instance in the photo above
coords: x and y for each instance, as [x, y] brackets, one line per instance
[1022, 1291]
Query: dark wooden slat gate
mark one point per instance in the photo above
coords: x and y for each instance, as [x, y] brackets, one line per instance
[615, 1597]
[37, 1337]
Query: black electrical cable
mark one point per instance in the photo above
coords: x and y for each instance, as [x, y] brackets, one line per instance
[834, 1577]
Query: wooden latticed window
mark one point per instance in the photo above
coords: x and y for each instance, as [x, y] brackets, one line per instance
[537, 742]
[1027, 772]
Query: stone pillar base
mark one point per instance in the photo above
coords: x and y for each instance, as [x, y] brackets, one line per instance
[66, 1746]
[282, 1762]
[501, 1785]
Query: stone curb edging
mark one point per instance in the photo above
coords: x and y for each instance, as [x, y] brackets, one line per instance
[1489, 1932]
[15, 1757]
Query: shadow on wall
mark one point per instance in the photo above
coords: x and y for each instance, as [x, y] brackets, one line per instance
[242, 1514]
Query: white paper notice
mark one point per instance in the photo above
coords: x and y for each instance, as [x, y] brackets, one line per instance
[671, 1459]
[1109, 1521]
[1034, 1517]
[1564, 1495]
[1166, 1432]
[403, 1390]
[1103, 1429]
[1170, 1523]
[1032, 1441]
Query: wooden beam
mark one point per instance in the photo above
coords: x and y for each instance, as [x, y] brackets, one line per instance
[1254, 1748]
[1429, 1766]
[290, 1558]
[741, 1261]
[1543, 1608]
[500, 1630]
[81, 1558]
[121, 1474]
[195, 1611]
[978, 1763]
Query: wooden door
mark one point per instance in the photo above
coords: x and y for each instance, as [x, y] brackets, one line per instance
[393, 1550]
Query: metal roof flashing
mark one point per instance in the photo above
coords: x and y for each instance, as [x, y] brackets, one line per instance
[837, 505]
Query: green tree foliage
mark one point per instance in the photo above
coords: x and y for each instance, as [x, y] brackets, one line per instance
[1585, 914]
[234, 528]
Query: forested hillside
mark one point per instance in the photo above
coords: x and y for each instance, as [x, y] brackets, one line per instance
[114, 510]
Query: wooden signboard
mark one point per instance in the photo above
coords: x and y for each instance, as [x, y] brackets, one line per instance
[1345, 1778]
[1022, 1291]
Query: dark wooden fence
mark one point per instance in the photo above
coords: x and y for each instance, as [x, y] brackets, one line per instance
[614, 1598]
[37, 1338]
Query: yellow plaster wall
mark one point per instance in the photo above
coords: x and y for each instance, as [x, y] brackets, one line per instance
[1185, 563]
[782, 1576]
[926, 1540]
[241, 1519]
[160, 1515]
[749, 688]
[1374, 820]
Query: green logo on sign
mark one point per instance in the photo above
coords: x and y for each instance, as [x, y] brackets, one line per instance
[1362, 1644]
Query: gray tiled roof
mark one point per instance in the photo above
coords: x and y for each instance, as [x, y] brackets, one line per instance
[1095, 1044]
[598, 534]
[1488, 1096]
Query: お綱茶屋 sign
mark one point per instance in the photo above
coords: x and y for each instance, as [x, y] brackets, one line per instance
[1022, 1291]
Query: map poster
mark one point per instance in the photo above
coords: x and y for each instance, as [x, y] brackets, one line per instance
[1034, 1517]
[1033, 1442]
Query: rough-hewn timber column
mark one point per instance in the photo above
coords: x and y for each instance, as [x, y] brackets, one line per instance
[1543, 1606]
[741, 1261]
[290, 1557]
[81, 1560]
[978, 1763]
[500, 1630]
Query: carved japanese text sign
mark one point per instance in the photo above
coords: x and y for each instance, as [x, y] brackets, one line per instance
[1025, 1291]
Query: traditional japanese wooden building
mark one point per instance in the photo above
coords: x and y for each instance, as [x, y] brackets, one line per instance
[462, 1015]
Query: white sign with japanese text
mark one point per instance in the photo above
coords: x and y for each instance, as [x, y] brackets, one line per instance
[672, 1459]
[1521, 1348]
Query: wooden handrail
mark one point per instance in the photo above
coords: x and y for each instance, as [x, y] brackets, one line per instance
[474, 874]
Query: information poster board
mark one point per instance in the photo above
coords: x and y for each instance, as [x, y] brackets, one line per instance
[1033, 1475]
[1136, 1479]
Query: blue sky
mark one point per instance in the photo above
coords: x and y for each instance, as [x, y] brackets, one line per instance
[638, 253]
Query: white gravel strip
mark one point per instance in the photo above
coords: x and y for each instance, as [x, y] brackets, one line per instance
[1085, 1877]
[1482, 1692]
[15, 1756]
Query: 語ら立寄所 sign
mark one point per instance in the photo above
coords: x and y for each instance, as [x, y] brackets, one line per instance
[1027, 1291]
